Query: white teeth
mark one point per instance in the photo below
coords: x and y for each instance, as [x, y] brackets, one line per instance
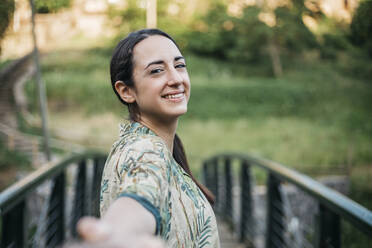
[174, 96]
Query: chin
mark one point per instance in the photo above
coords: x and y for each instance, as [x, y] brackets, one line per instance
[183, 110]
[180, 109]
[179, 113]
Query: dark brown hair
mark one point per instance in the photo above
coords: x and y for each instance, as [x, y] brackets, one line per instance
[121, 69]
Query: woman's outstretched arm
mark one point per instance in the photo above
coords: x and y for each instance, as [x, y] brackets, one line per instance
[126, 224]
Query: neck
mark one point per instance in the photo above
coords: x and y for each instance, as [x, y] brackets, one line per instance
[166, 131]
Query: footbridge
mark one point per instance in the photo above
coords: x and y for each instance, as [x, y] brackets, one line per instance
[42, 209]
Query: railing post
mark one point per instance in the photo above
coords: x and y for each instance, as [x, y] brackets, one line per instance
[12, 227]
[99, 164]
[215, 183]
[55, 232]
[79, 206]
[327, 230]
[206, 176]
[275, 214]
[228, 189]
[246, 215]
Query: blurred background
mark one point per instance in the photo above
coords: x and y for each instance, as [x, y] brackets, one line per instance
[287, 80]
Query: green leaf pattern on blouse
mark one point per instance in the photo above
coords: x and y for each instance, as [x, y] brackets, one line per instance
[140, 163]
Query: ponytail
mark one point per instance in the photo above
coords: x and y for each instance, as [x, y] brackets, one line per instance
[180, 156]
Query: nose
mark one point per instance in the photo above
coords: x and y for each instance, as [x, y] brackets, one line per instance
[174, 77]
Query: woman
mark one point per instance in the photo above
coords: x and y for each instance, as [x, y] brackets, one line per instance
[147, 187]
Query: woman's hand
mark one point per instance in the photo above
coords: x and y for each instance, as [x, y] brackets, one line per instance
[98, 234]
[126, 224]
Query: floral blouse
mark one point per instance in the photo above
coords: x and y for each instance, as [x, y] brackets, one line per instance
[141, 167]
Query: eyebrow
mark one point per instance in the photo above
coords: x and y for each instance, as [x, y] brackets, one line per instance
[157, 62]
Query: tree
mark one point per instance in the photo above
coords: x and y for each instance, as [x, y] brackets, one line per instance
[210, 36]
[6, 12]
[48, 6]
[361, 27]
[248, 38]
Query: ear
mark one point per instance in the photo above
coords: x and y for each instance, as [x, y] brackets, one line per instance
[126, 93]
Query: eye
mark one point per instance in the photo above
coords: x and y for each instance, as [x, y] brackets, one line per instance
[181, 65]
[154, 71]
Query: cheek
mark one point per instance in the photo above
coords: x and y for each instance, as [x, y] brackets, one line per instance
[187, 80]
[189, 92]
[188, 85]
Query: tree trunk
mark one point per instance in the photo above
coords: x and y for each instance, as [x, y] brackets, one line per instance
[275, 59]
[41, 87]
[151, 14]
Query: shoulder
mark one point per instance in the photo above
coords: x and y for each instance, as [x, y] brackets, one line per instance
[139, 144]
[136, 149]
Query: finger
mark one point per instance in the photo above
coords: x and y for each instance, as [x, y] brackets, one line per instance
[87, 245]
[152, 242]
[92, 229]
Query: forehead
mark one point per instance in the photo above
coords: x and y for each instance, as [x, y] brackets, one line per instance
[155, 47]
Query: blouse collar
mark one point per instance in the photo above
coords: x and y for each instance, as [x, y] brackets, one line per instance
[134, 127]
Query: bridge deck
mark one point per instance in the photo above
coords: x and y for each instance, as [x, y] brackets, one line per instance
[228, 238]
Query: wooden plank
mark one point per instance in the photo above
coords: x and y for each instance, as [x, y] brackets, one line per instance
[228, 238]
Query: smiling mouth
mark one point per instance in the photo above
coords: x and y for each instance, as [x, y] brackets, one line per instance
[174, 96]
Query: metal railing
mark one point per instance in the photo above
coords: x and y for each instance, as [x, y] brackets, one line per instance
[73, 183]
[332, 206]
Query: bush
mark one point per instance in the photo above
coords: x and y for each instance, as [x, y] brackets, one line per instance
[208, 36]
[6, 11]
[133, 17]
[11, 158]
[225, 37]
[248, 39]
[332, 44]
[48, 6]
[250, 36]
[356, 63]
[290, 33]
[361, 27]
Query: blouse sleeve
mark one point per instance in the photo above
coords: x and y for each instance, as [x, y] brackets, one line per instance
[142, 175]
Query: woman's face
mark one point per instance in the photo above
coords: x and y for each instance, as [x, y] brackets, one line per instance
[161, 82]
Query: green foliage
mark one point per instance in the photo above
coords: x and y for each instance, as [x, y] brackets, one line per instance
[209, 36]
[356, 63]
[361, 26]
[252, 38]
[290, 32]
[332, 44]
[6, 12]
[48, 6]
[333, 38]
[347, 45]
[4, 63]
[10, 158]
[246, 38]
[134, 17]
[225, 37]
